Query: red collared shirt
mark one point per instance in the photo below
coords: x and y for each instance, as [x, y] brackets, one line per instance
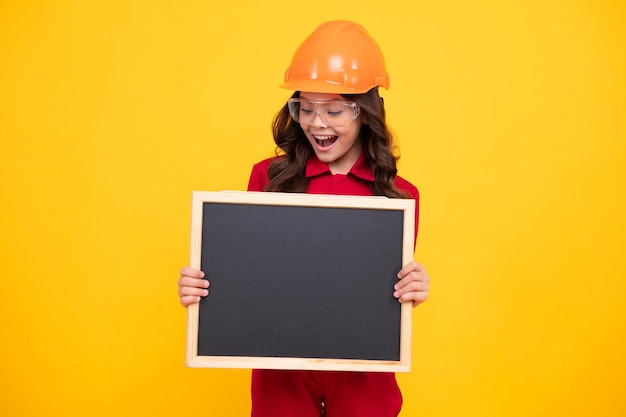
[359, 181]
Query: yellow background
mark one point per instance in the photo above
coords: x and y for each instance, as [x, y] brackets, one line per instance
[511, 121]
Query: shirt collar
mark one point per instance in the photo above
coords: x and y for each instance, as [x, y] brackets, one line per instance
[360, 169]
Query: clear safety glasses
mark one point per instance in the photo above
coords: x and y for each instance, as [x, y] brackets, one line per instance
[335, 113]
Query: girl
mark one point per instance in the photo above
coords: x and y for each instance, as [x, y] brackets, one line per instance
[334, 140]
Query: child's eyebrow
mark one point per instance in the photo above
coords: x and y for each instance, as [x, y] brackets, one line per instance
[322, 101]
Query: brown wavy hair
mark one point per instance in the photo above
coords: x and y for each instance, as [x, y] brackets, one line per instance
[287, 174]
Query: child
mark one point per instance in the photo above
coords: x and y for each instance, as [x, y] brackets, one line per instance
[333, 135]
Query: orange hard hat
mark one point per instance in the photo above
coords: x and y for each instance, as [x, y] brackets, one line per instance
[339, 57]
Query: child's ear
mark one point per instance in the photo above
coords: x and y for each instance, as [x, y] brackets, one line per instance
[364, 120]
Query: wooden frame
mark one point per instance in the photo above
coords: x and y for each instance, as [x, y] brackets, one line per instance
[254, 200]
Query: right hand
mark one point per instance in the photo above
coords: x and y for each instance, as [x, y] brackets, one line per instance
[192, 286]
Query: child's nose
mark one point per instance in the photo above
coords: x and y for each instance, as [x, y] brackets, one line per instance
[318, 121]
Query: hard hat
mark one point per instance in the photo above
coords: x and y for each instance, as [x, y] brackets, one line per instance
[339, 57]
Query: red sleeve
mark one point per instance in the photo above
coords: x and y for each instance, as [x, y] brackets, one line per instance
[416, 197]
[403, 184]
[258, 178]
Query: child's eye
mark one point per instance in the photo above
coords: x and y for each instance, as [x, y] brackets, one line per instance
[335, 113]
[306, 111]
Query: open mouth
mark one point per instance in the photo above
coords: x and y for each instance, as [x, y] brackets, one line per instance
[325, 141]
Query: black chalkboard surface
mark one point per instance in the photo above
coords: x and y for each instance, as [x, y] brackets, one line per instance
[300, 281]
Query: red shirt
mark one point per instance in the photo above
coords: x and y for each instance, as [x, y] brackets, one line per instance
[359, 181]
[354, 393]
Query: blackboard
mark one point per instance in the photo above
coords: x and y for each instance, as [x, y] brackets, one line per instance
[300, 281]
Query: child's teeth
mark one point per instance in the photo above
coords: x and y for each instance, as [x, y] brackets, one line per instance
[325, 141]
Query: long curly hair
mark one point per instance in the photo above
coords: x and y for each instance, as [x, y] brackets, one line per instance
[287, 174]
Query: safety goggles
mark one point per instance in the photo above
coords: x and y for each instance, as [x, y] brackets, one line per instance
[334, 113]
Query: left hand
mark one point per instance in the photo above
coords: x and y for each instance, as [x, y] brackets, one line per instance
[414, 284]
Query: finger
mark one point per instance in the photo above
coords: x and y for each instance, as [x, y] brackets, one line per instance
[411, 267]
[414, 276]
[191, 272]
[416, 297]
[193, 282]
[189, 299]
[413, 286]
[198, 292]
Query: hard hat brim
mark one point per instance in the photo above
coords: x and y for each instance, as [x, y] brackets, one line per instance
[318, 86]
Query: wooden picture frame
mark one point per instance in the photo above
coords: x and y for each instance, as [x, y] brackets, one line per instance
[300, 281]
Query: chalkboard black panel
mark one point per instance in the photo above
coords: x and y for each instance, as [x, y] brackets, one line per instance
[292, 281]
